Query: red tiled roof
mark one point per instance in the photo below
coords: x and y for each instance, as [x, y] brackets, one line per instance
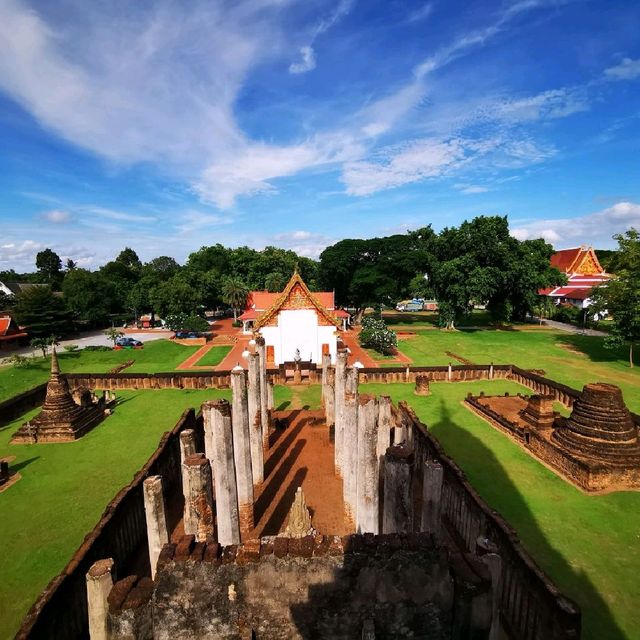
[572, 293]
[250, 314]
[341, 313]
[9, 329]
[565, 258]
[5, 322]
[263, 300]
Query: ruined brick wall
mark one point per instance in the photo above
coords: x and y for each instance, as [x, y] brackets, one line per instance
[19, 405]
[60, 613]
[315, 587]
[531, 606]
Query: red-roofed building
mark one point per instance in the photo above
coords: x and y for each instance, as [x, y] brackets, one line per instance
[295, 320]
[10, 334]
[583, 271]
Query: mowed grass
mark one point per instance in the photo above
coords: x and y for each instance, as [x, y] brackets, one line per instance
[214, 356]
[65, 488]
[568, 358]
[588, 544]
[157, 356]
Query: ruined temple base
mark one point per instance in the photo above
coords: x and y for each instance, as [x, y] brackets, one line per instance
[591, 476]
[65, 431]
[14, 476]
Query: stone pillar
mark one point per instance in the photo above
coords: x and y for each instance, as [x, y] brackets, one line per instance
[198, 498]
[449, 373]
[326, 363]
[330, 399]
[99, 584]
[270, 395]
[264, 394]
[218, 413]
[154, 511]
[385, 424]
[491, 372]
[422, 385]
[255, 428]
[242, 451]
[187, 444]
[350, 480]
[397, 516]
[367, 512]
[494, 564]
[431, 498]
[339, 403]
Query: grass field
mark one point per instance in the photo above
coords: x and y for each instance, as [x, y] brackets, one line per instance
[66, 486]
[589, 545]
[214, 356]
[157, 355]
[568, 358]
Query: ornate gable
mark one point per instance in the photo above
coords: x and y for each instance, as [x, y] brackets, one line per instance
[587, 264]
[296, 295]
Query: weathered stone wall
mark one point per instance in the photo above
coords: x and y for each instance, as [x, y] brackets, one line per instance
[313, 587]
[530, 604]
[60, 613]
[19, 405]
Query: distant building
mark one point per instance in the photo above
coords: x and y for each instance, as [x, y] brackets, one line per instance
[295, 321]
[14, 288]
[10, 334]
[583, 271]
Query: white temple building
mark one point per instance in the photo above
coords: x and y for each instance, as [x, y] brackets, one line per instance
[295, 322]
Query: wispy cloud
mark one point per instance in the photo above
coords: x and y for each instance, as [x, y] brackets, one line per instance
[307, 62]
[18, 253]
[57, 216]
[594, 228]
[421, 13]
[304, 243]
[628, 69]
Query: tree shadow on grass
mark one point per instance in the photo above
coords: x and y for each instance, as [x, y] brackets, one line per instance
[598, 622]
[593, 347]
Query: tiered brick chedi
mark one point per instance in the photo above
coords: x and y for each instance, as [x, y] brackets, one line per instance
[64, 417]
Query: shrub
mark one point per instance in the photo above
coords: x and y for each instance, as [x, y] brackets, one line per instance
[97, 347]
[185, 322]
[237, 323]
[18, 361]
[567, 313]
[375, 335]
[71, 348]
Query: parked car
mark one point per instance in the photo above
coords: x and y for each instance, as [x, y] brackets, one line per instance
[128, 343]
[182, 335]
[410, 305]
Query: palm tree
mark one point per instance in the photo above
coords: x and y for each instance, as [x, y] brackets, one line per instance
[234, 293]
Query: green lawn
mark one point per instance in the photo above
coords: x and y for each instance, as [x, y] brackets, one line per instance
[157, 356]
[65, 488]
[589, 545]
[565, 357]
[214, 356]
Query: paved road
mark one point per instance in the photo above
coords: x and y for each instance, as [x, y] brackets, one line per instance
[569, 328]
[90, 338]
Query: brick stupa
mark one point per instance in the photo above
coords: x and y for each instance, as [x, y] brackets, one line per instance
[61, 419]
[600, 427]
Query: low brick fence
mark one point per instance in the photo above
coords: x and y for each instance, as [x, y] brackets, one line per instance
[60, 613]
[531, 605]
[17, 406]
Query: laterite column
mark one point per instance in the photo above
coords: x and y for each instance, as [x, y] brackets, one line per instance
[367, 493]
[99, 583]
[397, 516]
[218, 414]
[154, 511]
[198, 498]
[431, 498]
[339, 384]
[264, 393]
[255, 428]
[242, 450]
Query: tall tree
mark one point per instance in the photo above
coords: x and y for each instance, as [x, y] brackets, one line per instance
[41, 312]
[88, 295]
[49, 267]
[129, 258]
[620, 296]
[175, 296]
[234, 293]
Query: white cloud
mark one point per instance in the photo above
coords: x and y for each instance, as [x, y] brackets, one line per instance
[56, 216]
[307, 63]
[628, 69]
[470, 188]
[19, 254]
[421, 13]
[304, 243]
[195, 220]
[594, 228]
[413, 162]
[552, 104]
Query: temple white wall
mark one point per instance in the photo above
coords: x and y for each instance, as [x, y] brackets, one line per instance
[299, 329]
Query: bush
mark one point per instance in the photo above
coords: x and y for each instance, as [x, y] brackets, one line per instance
[375, 335]
[71, 348]
[18, 361]
[567, 313]
[185, 322]
[237, 323]
[95, 347]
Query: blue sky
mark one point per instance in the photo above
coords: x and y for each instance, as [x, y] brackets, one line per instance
[168, 125]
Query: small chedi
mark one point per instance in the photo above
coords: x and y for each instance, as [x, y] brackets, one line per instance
[65, 416]
[597, 447]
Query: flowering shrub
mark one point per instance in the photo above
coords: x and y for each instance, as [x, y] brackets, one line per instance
[375, 335]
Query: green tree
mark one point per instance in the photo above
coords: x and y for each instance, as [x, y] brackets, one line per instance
[88, 295]
[43, 344]
[175, 296]
[275, 282]
[235, 293]
[41, 312]
[113, 334]
[620, 296]
[49, 267]
[70, 265]
[129, 258]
